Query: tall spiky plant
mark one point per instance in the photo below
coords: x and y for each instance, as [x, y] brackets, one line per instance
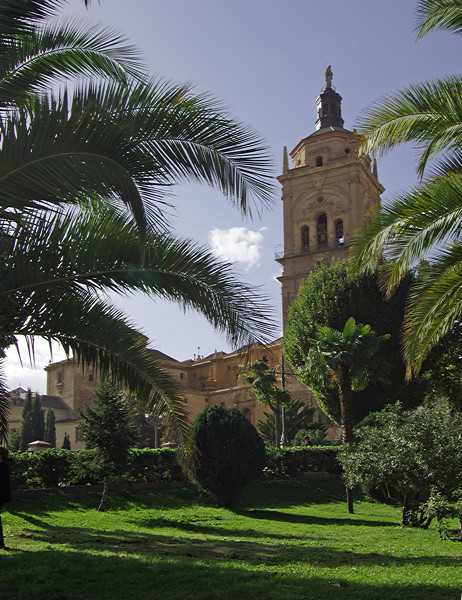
[424, 222]
[112, 147]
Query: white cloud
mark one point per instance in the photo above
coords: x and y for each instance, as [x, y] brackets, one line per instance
[237, 244]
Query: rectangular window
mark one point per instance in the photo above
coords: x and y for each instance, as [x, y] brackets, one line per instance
[78, 435]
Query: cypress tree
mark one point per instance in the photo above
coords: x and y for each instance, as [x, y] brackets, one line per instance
[66, 442]
[38, 419]
[50, 428]
[27, 433]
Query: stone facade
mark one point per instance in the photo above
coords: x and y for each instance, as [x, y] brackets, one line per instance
[325, 196]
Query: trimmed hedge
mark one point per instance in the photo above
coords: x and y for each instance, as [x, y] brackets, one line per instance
[51, 468]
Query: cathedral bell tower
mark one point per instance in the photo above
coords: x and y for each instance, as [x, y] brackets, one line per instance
[325, 194]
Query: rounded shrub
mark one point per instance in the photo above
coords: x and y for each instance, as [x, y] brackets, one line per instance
[228, 453]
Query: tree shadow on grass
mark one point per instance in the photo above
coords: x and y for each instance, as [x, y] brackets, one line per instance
[87, 497]
[286, 493]
[80, 576]
[255, 551]
[276, 515]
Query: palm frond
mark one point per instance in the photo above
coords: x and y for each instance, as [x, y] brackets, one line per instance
[64, 51]
[101, 252]
[18, 17]
[429, 114]
[435, 305]
[438, 14]
[411, 227]
[98, 335]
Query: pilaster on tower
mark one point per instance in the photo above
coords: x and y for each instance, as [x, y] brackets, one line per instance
[325, 194]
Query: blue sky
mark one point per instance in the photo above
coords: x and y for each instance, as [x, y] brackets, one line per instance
[265, 59]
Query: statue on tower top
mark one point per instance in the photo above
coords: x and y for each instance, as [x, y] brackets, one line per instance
[328, 76]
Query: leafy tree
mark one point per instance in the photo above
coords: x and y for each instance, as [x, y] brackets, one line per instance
[297, 416]
[66, 442]
[425, 220]
[346, 360]
[264, 385]
[14, 441]
[108, 427]
[228, 453]
[111, 147]
[402, 455]
[50, 428]
[329, 296]
[38, 419]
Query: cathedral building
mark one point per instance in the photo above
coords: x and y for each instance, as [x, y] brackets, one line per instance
[326, 192]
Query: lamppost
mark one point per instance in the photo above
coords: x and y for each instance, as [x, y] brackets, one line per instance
[284, 440]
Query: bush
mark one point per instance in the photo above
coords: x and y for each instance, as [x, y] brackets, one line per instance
[400, 456]
[296, 461]
[228, 453]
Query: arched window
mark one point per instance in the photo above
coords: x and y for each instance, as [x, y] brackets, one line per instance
[305, 238]
[322, 230]
[339, 232]
[319, 161]
[324, 109]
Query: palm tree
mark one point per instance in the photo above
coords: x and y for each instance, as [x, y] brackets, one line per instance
[56, 265]
[424, 222]
[346, 360]
[112, 148]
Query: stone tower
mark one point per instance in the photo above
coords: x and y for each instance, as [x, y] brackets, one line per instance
[325, 194]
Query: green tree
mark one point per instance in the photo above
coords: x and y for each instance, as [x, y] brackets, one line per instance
[329, 296]
[228, 453]
[109, 428]
[424, 221]
[264, 385]
[400, 456]
[297, 416]
[50, 428]
[346, 360]
[38, 419]
[117, 141]
[27, 428]
[66, 442]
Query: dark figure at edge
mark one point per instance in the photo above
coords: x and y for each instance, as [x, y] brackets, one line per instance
[5, 488]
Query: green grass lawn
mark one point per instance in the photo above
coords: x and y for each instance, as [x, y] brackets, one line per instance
[287, 541]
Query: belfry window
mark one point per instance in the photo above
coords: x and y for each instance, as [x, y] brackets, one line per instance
[305, 238]
[319, 161]
[339, 232]
[322, 230]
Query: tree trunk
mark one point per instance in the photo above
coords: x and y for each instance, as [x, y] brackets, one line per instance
[277, 427]
[102, 504]
[345, 394]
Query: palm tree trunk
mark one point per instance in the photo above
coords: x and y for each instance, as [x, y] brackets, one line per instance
[102, 504]
[347, 420]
